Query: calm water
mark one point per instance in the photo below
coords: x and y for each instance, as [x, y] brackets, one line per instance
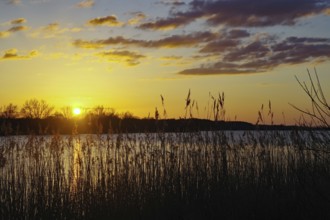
[71, 151]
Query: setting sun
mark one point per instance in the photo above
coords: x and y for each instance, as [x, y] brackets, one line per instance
[76, 111]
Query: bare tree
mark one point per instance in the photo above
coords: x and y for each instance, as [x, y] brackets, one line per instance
[34, 108]
[99, 110]
[320, 109]
[66, 111]
[10, 111]
[127, 115]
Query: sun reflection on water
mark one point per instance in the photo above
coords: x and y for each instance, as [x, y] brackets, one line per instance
[76, 165]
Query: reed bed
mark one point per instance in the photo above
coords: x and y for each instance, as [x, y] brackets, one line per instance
[195, 175]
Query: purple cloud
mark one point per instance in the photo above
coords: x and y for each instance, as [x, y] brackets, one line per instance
[242, 13]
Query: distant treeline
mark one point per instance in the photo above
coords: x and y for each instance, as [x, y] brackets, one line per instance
[39, 118]
[114, 124]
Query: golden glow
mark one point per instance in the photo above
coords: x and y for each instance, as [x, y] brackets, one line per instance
[75, 167]
[76, 111]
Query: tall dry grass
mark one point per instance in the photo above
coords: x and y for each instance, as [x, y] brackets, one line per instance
[228, 175]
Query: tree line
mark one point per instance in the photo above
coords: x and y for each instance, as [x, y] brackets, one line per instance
[39, 117]
[40, 109]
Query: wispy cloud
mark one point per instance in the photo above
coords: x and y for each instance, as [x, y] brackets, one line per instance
[137, 18]
[166, 24]
[130, 58]
[12, 54]
[242, 13]
[88, 44]
[4, 34]
[174, 60]
[18, 21]
[229, 39]
[86, 4]
[174, 41]
[53, 27]
[14, 2]
[110, 20]
[52, 30]
[169, 58]
[17, 28]
[173, 3]
[13, 29]
[225, 70]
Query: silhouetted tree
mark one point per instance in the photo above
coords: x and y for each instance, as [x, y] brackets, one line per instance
[99, 110]
[10, 111]
[58, 114]
[34, 108]
[66, 112]
[128, 115]
[111, 112]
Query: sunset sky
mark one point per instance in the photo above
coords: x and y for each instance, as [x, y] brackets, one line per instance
[125, 54]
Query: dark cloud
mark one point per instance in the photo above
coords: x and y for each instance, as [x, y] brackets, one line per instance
[18, 21]
[265, 54]
[173, 41]
[238, 33]
[216, 71]
[300, 50]
[254, 50]
[17, 28]
[229, 39]
[108, 21]
[242, 13]
[306, 40]
[236, 51]
[52, 27]
[220, 46]
[171, 22]
[7, 33]
[87, 44]
[12, 54]
[183, 40]
[173, 3]
[130, 58]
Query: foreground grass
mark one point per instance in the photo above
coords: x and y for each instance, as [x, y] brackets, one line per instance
[200, 175]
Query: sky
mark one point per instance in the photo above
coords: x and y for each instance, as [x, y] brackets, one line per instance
[127, 54]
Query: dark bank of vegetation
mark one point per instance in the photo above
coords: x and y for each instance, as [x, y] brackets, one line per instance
[37, 117]
[219, 174]
[108, 124]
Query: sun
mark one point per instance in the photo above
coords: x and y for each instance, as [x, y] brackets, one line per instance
[76, 111]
